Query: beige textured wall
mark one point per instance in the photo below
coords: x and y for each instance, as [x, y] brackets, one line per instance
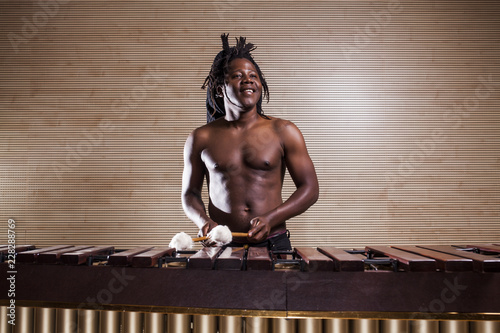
[398, 102]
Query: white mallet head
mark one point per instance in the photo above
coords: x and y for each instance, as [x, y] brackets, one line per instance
[221, 235]
[181, 241]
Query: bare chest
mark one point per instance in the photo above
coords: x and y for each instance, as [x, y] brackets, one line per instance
[259, 150]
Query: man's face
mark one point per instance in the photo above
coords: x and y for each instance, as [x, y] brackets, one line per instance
[242, 87]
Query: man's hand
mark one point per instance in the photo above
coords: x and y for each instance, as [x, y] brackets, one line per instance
[260, 229]
[207, 227]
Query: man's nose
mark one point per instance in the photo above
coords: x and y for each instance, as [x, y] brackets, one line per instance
[247, 79]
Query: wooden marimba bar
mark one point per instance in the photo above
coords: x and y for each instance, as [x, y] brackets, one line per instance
[377, 289]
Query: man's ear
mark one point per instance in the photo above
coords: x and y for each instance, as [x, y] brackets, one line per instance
[219, 92]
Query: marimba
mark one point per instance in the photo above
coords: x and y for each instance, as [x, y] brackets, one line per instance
[384, 289]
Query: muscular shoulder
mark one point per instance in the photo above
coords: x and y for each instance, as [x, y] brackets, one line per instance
[285, 128]
[289, 134]
[201, 135]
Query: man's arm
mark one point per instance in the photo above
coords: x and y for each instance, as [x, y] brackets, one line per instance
[303, 174]
[192, 183]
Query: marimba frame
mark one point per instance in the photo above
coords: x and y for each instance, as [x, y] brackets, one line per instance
[297, 272]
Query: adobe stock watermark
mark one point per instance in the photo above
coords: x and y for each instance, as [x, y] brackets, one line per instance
[116, 285]
[91, 139]
[277, 298]
[224, 6]
[366, 35]
[453, 118]
[449, 294]
[11, 271]
[32, 25]
[293, 280]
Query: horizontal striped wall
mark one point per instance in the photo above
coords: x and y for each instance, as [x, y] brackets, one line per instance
[398, 102]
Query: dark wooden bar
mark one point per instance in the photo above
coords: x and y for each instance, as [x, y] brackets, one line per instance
[204, 258]
[124, 258]
[481, 263]
[231, 259]
[150, 258]
[259, 259]
[32, 255]
[444, 261]
[82, 256]
[53, 257]
[344, 261]
[407, 261]
[315, 260]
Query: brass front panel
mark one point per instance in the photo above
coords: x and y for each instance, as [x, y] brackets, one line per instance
[204, 324]
[424, 326]
[45, 320]
[485, 327]
[394, 326]
[454, 326]
[5, 327]
[283, 325]
[24, 319]
[257, 325]
[154, 322]
[364, 326]
[133, 322]
[231, 324]
[88, 321]
[336, 325]
[310, 325]
[110, 321]
[66, 320]
[62, 320]
[178, 323]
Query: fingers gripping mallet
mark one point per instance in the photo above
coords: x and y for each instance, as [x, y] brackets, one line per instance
[221, 235]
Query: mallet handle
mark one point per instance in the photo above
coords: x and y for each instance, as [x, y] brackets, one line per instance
[235, 234]
[199, 239]
[239, 234]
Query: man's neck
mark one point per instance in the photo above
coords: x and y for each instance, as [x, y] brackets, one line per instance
[241, 119]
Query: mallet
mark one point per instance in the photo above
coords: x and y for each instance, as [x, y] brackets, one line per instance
[221, 235]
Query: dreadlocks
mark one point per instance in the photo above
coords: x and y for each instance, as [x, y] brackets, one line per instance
[214, 103]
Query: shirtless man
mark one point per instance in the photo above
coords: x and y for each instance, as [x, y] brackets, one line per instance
[244, 155]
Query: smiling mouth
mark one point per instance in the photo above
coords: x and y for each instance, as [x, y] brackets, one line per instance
[249, 90]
